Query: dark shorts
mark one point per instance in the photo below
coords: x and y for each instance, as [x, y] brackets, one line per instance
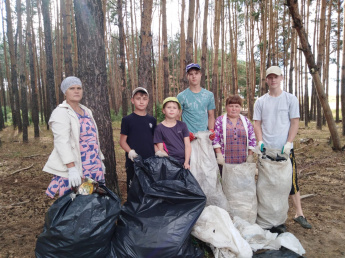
[294, 187]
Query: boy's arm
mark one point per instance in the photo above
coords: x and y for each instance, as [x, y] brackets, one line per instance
[294, 124]
[160, 147]
[123, 143]
[187, 152]
[258, 130]
[211, 119]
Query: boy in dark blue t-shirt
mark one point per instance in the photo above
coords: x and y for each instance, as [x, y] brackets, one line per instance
[136, 136]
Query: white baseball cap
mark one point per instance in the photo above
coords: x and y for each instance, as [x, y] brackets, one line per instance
[274, 70]
[139, 89]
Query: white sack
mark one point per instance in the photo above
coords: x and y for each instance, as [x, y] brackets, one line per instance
[238, 181]
[215, 227]
[204, 167]
[289, 241]
[257, 237]
[273, 189]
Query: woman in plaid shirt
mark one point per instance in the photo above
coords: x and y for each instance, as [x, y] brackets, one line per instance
[235, 137]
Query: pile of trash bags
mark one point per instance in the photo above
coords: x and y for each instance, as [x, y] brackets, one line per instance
[167, 204]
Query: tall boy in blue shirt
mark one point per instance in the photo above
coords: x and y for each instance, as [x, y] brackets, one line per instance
[136, 135]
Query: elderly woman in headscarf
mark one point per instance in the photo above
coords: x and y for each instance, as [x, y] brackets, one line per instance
[76, 152]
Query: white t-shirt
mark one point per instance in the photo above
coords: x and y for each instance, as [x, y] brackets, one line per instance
[275, 114]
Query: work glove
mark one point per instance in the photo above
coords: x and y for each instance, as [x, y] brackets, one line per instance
[220, 158]
[212, 135]
[103, 168]
[161, 154]
[132, 155]
[191, 136]
[287, 148]
[74, 178]
[250, 159]
[260, 146]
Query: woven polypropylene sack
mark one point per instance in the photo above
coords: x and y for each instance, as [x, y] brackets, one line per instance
[239, 186]
[273, 189]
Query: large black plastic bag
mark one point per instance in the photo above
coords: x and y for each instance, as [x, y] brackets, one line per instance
[163, 204]
[79, 228]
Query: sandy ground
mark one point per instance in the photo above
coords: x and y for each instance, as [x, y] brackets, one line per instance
[23, 202]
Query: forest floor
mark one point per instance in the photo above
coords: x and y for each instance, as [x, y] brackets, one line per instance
[23, 202]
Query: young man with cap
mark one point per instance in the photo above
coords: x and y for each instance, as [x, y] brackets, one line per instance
[173, 133]
[276, 122]
[137, 132]
[197, 103]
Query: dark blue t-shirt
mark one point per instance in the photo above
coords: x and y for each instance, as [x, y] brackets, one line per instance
[173, 137]
[139, 131]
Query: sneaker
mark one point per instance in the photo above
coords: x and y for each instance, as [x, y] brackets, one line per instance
[279, 229]
[303, 222]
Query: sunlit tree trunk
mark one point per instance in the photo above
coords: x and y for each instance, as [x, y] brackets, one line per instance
[190, 29]
[67, 41]
[93, 73]
[34, 101]
[298, 25]
[165, 50]
[145, 66]
[49, 56]
[204, 47]
[216, 25]
[17, 122]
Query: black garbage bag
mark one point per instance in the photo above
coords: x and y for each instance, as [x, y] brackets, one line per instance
[281, 253]
[163, 204]
[79, 228]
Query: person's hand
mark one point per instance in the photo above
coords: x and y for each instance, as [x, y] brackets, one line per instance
[250, 159]
[132, 155]
[287, 148]
[103, 167]
[191, 136]
[220, 158]
[161, 154]
[212, 135]
[260, 146]
[186, 165]
[74, 178]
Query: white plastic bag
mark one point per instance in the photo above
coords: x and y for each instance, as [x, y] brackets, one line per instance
[215, 227]
[204, 167]
[238, 181]
[273, 188]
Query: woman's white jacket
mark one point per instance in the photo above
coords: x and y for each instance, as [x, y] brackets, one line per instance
[65, 125]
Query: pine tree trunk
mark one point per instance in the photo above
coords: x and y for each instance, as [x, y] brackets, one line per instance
[215, 60]
[190, 29]
[93, 74]
[21, 64]
[2, 99]
[49, 56]
[204, 47]
[145, 66]
[17, 122]
[67, 41]
[298, 25]
[182, 79]
[165, 50]
[34, 102]
[122, 60]
[343, 81]
[338, 65]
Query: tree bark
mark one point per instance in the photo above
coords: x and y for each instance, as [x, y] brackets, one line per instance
[122, 59]
[67, 42]
[49, 56]
[34, 101]
[189, 46]
[17, 122]
[343, 81]
[298, 24]
[338, 65]
[204, 47]
[145, 66]
[165, 50]
[93, 74]
[183, 80]
[215, 60]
